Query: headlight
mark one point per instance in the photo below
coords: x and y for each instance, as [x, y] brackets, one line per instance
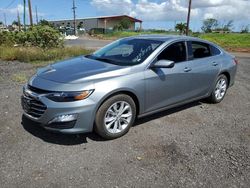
[69, 96]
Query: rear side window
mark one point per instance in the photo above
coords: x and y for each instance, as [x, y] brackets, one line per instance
[200, 50]
[214, 50]
[175, 52]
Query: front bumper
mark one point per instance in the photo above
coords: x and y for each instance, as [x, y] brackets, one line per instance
[85, 110]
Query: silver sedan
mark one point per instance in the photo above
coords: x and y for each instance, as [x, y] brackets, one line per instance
[131, 77]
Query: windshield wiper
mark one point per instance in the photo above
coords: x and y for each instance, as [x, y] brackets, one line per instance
[105, 60]
[100, 59]
[115, 62]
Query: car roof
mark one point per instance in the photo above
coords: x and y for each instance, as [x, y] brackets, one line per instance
[164, 38]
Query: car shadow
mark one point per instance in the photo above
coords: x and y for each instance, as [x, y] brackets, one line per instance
[36, 130]
[157, 115]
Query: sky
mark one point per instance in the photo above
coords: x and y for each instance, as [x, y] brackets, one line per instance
[155, 14]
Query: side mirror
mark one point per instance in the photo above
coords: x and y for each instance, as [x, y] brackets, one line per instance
[163, 64]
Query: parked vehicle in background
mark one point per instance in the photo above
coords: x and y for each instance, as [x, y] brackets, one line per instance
[129, 78]
[82, 29]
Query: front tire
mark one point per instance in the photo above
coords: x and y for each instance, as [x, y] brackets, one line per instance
[219, 90]
[115, 116]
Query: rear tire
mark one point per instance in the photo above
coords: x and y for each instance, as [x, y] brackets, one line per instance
[219, 90]
[115, 116]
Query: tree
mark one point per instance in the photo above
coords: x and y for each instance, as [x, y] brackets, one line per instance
[209, 25]
[125, 23]
[44, 22]
[117, 27]
[1, 23]
[68, 24]
[15, 23]
[228, 26]
[244, 29]
[80, 25]
[181, 27]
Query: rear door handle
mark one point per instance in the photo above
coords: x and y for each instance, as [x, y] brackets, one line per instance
[214, 64]
[187, 69]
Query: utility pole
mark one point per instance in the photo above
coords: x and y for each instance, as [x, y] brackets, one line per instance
[105, 26]
[5, 22]
[36, 16]
[30, 13]
[74, 15]
[18, 20]
[188, 17]
[24, 15]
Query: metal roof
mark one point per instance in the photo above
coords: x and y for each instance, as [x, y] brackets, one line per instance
[100, 17]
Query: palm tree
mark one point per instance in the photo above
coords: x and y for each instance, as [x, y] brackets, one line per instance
[15, 23]
[181, 27]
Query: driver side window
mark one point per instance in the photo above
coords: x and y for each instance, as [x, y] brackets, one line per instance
[175, 52]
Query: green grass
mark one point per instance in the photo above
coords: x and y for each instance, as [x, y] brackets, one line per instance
[37, 55]
[231, 41]
[121, 34]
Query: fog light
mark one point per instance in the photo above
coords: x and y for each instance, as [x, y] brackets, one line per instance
[64, 118]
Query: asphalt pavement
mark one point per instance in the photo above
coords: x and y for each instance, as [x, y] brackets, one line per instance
[87, 42]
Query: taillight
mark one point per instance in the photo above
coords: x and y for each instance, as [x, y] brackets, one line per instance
[236, 61]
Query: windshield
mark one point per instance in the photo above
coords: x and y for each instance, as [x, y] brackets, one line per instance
[126, 51]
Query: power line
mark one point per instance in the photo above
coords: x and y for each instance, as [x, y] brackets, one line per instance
[10, 4]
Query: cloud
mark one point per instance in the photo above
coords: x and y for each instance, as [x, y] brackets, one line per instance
[168, 10]
[113, 6]
[176, 10]
[229, 10]
[207, 3]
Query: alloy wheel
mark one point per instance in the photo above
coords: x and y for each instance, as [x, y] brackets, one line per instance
[220, 89]
[118, 117]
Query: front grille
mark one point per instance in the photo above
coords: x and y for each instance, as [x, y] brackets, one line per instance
[32, 106]
[38, 90]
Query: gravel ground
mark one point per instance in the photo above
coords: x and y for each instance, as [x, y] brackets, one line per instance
[196, 145]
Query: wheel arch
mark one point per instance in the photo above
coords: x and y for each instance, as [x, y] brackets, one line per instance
[126, 92]
[227, 75]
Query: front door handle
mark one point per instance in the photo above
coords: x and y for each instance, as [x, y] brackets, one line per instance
[214, 64]
[187, 69]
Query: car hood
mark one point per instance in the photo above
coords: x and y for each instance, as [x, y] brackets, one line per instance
[81, 69]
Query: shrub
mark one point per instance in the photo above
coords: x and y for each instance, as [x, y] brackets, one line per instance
[42, 36]
[96, 31]
[6, 38]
